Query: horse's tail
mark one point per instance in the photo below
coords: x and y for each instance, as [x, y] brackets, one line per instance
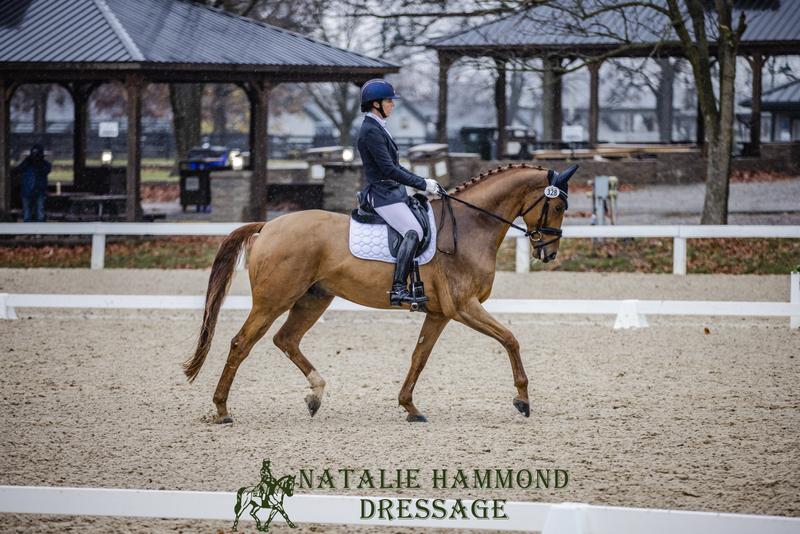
[218, 284]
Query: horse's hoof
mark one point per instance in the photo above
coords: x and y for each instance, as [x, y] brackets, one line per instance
[523, 407]
[416, 419]
[313, 403]
[225, 420]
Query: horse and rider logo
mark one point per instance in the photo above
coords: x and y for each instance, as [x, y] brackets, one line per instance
[268, 494]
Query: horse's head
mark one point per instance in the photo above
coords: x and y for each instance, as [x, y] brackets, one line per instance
[287, 485]
[544, 215]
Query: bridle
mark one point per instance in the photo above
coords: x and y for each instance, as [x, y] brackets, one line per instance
[535, 236]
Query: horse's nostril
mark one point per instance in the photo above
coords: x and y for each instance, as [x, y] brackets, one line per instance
[552, 256]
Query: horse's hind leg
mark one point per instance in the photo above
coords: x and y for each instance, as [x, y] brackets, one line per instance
[254, 328]
[304, 313]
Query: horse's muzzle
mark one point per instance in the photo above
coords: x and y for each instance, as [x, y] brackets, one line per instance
[542, 254]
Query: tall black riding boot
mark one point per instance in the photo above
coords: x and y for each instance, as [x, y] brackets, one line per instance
[405, 259]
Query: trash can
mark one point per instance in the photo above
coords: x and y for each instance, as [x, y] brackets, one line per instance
[480, 140]
[195, 185]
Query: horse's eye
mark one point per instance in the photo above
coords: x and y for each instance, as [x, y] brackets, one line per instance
[559, 209]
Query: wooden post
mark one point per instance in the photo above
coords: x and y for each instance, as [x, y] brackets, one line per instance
[258, 93]
[134, 85]
[80, 97]
[594, 102]
[6, 91]
[500, 106]
[551, 100]
[445, 62]
[757, 66]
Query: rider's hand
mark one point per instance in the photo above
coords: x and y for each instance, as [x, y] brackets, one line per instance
[432, 186]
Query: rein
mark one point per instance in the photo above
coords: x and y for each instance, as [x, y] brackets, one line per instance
[535, 235]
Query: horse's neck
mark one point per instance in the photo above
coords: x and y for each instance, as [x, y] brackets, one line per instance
[501, 195]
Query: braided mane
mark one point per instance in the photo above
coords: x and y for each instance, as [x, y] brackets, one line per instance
[484, 175]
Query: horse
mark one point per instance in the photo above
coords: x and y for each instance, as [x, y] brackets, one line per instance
[300, 261]
[265, 494]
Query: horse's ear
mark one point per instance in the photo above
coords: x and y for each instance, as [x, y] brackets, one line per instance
[561, 180]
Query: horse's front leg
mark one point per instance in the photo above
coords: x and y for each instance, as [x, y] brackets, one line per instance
[477, 318]
[281, 511]
[431, 329]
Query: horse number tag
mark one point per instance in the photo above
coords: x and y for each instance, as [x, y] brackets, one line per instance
[551, 191]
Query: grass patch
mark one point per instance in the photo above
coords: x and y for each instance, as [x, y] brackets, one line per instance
[184, 252]
[148, 175]
[730, 256]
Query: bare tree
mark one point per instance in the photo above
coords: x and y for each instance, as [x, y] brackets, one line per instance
[718, 112]
[703, 30]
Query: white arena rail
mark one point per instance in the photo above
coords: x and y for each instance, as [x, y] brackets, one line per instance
[678, 233]
[629, 313]
[564, 518]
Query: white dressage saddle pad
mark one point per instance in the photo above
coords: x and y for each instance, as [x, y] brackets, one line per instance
[371, 241]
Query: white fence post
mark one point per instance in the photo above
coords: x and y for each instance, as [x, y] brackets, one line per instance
[98, 251]
[679, 255]
[629, 316]
[566, 518]
[6, 311]
[523, 254]
[794, 298]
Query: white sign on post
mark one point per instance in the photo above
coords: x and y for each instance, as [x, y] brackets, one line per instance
[108, 129]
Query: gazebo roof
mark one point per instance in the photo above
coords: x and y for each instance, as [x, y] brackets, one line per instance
[161, 37]
[785, 97]
[772, 26]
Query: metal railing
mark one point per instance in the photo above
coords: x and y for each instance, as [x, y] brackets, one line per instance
[678, 233]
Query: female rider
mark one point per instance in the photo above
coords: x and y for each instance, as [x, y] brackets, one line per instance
[386, 179]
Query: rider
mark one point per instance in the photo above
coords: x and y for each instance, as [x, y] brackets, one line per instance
[386, 179]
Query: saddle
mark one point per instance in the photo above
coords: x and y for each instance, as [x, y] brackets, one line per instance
[418, 204]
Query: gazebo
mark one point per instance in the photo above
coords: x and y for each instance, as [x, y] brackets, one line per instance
[81, 44]
[773, 29]
[783, 102]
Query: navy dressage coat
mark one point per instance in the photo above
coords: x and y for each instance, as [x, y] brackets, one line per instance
[385, 177]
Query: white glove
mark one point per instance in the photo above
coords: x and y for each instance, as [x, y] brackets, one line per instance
[432, 186]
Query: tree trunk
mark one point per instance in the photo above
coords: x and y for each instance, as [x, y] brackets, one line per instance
[718, 167]
[720, 132]
[40, 95]
[219, 116]
[186, 100]
[516, 82]
[551, 100]
[664, 99]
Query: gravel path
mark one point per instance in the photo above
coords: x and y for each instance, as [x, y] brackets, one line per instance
[668, 417]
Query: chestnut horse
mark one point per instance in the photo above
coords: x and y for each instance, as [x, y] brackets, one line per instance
[300, 261]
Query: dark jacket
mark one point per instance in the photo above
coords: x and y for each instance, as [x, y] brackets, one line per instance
[385, 177]
[34, 173]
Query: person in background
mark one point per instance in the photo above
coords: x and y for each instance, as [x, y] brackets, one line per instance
[34, 170]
